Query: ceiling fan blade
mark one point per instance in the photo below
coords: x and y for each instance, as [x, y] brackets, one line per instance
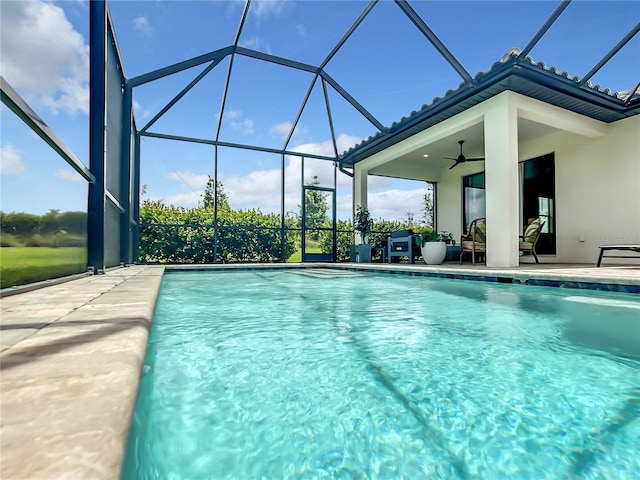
[475, 159]
[450, 158]
[455, 164]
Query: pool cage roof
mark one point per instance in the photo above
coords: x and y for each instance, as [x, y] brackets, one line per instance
[515, 71]
[115, 157]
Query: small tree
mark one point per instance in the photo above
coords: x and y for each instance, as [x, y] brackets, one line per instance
[428, 205]
[212, 190]
[363, 222]
[315, 204]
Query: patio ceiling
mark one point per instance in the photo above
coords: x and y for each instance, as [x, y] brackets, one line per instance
[473, 137]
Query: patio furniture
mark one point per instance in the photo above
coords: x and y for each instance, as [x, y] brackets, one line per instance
[474, 240]
[529, 238]
[607, 248]
[403, 243]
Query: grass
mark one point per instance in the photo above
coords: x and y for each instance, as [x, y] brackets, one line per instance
[21, 265]
[312, 247]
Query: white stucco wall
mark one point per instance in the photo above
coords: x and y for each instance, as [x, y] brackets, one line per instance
[597, 188]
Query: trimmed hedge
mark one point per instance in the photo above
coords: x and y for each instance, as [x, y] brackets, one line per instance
[170, 234]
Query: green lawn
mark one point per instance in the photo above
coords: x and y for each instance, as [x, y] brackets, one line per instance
[21, 265]
[312, 247]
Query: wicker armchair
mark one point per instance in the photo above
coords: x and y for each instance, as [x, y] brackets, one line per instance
[474, 241]
[529, 238]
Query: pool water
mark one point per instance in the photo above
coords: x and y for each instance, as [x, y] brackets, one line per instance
[316, 373]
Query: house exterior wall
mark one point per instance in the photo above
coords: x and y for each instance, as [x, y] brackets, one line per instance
[597, 167]
[597, 189]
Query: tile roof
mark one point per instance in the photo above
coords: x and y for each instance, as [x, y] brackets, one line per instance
[511, 72]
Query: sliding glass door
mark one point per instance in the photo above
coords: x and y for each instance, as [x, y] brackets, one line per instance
[537, 198]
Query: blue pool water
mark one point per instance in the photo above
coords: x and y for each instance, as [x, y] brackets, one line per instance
[338, 374]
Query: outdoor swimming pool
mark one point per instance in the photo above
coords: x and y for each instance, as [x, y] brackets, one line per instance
[316, 373]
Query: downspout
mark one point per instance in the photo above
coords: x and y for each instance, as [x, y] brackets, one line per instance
[346, 172]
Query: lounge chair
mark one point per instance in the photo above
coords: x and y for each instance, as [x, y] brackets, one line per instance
[530, 236]
[474, 240]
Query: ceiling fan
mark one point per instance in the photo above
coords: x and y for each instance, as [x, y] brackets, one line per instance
[461, 158]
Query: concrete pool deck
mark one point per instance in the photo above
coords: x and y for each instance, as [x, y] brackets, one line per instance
[72, 354]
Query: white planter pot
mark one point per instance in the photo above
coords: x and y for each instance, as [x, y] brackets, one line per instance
[433, 253]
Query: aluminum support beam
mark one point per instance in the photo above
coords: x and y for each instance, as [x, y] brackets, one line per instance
[97, 113]
[235, 145]
[125, 177]
[18, 106]
[215, 56]
[349, 32]
[182, 93]
[433, 38]
[363, 111]
[611, 53]
[540, 33]
[300, 110]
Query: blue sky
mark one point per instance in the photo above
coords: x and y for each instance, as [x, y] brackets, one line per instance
[387, 66]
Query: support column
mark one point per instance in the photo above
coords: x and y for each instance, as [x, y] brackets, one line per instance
[126, 251]
[97, 83]
[359, 191]
[501, 182]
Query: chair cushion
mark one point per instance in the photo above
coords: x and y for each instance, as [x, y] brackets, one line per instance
[400, 246]
[479, 232]
[532, 230]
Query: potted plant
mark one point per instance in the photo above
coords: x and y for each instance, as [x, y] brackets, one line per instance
[363, 223]
[433, 245]
[447, 238]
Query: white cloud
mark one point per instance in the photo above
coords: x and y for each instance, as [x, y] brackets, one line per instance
[393, 204]
[68, 175]
[254, 43]
[301, 30]
[186, 199]
[139, 111]
[11, 164]
[343, 142]
[261, 188]
[245, 126]
[44, 56]
[281, 130]
[238, 123]
[233, 114]
[141, 24]
[263, 8]
[189, 180]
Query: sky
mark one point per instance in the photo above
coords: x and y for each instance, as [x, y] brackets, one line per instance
[386, 65]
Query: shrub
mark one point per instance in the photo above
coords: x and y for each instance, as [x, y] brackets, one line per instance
[39, 241]
[170, 234]
[9, 240]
